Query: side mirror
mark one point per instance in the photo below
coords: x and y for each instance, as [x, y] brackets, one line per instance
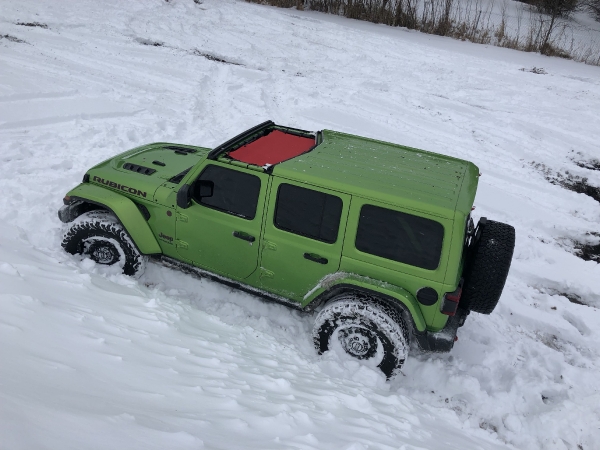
[183, 196]
[204, 188]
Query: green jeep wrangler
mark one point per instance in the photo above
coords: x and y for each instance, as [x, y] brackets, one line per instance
[376, 237]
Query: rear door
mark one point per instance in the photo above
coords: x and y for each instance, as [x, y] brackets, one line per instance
[303, 237]
[221, 233]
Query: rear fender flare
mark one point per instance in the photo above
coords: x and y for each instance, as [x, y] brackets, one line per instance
[337, 283]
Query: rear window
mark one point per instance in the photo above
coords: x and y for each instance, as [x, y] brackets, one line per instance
[400, 237]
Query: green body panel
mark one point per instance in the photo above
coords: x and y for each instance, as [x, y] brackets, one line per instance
[357, 170]
[111, 173]
[127, 212]
[145, 155]
[343, 278]
[153, 191]
[162, 223]
[405, 179]
[409, 283]
[205, 236]
[409, 277]
[284, 269]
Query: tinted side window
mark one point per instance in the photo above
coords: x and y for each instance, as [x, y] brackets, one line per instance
[399, 236]
[234, 192]
[309, 213]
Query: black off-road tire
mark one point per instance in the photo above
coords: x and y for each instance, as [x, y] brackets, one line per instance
[99, 235]
[361, 322]
[488, 262]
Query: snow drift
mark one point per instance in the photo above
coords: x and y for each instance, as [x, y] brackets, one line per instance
[91, 359]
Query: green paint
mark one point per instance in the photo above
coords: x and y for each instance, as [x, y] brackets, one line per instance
[357, 170]
[125, 209]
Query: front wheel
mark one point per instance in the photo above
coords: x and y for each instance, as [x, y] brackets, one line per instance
[366, 329]
[100, 236]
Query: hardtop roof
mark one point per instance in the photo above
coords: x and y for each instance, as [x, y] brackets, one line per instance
[409, 177]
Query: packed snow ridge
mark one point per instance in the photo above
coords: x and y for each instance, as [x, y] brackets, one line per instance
[92, 359]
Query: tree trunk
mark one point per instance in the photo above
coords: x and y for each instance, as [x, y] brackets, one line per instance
[544, 49]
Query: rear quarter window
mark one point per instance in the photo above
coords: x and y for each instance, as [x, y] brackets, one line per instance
[399, 236]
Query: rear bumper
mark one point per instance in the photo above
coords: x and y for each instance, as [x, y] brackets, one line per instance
[443, 340]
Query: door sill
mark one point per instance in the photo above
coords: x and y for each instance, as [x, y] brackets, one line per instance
[201, 273]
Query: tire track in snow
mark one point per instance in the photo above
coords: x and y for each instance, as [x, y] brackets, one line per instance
[508, 378]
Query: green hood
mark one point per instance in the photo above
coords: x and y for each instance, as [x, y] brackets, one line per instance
[140, 171]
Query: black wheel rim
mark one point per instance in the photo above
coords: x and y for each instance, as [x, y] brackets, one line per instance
[358, 342]
[103, 252]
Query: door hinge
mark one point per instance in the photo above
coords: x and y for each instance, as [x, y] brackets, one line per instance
[181, 244]
[265, 273]
[269, 245]
[182, 217]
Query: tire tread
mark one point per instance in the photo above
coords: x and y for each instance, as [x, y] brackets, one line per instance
[104, 224]
[358, 309]
[488, 263]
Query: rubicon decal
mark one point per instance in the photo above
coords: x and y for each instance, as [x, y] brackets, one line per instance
[120, 187]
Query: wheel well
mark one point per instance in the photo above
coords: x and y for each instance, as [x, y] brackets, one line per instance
[89, 206]
[77, 207]
[81, 206]
[361, 292]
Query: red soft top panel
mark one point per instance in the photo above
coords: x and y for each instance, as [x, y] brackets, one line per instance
[273, 148]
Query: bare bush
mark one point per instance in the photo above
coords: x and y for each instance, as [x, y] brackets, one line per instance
[593, 7]
[546, 30]
[279, 3]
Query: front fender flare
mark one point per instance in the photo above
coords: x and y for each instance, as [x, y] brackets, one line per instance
[126, 211]
[338, 282]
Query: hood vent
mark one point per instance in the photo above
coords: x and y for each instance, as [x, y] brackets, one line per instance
[138, 169]
[180, 150]
[177, 178]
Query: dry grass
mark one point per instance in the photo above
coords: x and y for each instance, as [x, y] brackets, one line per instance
[467, 20]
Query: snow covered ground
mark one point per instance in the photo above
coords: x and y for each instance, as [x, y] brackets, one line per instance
[91, 359]
[579, 34]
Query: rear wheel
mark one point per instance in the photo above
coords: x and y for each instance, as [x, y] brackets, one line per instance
[100, 236]
[488, 262]
[366, 329]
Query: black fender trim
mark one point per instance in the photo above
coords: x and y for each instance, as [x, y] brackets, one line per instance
[78, 206]
[68, 213]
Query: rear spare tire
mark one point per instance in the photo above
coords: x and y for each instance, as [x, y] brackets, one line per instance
[100, 236]
[488, 260]
[363, 326]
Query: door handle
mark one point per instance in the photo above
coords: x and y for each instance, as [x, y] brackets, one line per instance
[316, 258]
[244, 236]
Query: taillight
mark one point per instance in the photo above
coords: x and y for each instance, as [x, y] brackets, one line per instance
[450, 301]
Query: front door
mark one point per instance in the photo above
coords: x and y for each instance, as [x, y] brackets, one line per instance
[303, 237]
[221, 232]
